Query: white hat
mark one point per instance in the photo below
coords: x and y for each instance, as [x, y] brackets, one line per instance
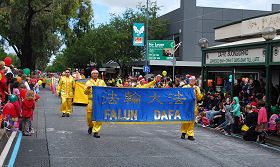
[182, 83]
[94, 71]
[192, 78]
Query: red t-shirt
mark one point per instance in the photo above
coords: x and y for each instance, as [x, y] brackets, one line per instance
[33, 80]
[27, 108]
[10, 110]
[22, 93]
[17, 107]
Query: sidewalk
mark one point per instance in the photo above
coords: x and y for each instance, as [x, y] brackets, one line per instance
[34, 149]
[273, 141]
[1, 133]
[3, 140]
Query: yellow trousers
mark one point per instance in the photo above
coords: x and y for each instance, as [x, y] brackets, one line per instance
[66, 105]
[188, 128]
[96, 126]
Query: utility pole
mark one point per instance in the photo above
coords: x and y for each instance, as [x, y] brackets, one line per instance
[173, 62]
[174, 59]
[147, 29]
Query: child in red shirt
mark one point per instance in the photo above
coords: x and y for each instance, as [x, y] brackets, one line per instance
[11, 111]
[28, 106]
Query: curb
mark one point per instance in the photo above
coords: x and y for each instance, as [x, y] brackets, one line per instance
[266, 145]
[7, 148]
[1, 133]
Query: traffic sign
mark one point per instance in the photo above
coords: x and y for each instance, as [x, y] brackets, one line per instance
[160, 49]
[146, 69]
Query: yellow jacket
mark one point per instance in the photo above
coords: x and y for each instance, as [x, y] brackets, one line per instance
[44, 80]
[148, 85]
[91, 82]
[66, 86]
[198, 96]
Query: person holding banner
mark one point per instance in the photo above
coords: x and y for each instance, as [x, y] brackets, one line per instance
[66, 87]
[142, 83]
[188, 128]
[93, 126]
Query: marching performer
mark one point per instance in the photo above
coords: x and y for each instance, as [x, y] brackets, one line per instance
[66, 87]
[93, 126]
[188, 128]
[142, 84]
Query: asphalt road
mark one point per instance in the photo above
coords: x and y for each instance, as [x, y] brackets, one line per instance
[60, 142]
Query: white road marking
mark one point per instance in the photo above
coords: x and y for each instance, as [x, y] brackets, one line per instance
[50, 129]
[63, 132]
[148, 133]
[7, 148]
[162, 131]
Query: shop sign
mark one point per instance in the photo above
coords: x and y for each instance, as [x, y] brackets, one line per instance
[276, 54]
[236, 56]
[256, 25]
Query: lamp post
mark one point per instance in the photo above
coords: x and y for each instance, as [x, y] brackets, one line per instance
[147, 29]
[174, 59]
[203, 43]
[268, 33]
[173, 62]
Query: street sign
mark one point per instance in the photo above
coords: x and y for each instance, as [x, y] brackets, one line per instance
[160, 49]
[146, 69]
[138, 34]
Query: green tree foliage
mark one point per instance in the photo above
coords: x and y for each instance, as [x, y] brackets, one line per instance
[58, 64]
[36, 29]
[2, 53]
[15, 59]
[113, 41]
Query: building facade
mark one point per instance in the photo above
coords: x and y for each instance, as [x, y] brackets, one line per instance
[188, 24]
[251, 52]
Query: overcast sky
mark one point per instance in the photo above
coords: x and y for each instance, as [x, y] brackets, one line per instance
[103, 8]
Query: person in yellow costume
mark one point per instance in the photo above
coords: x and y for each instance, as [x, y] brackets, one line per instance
[82, 74]
[188, 128]
[93, 126]
[143, 85]
[66, 86]
[44, 81]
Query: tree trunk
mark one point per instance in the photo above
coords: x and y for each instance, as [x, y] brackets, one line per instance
[27, 60]
[120, 70]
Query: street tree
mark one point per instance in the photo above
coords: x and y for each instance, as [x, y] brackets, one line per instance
[113, 41]
[58, 64]
[36, 29]
[124, 53]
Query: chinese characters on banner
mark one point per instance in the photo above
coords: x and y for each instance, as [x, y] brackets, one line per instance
[143, 105]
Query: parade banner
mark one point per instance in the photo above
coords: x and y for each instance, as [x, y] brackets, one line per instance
[136, 105]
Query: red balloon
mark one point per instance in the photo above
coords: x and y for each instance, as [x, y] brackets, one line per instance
[8, 61]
